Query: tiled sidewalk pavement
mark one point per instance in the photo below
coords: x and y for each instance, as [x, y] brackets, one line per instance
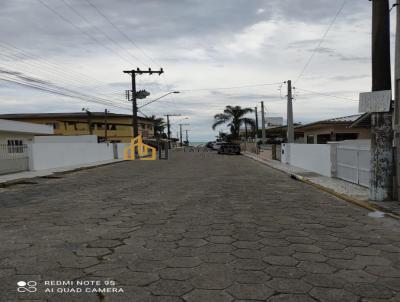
[200, 227]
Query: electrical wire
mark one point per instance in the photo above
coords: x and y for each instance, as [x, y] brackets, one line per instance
[21, 57]
[112, 40]
[228, 88]
[314, 52]
[65, 78]
[101, 13]
[326, 94]
[57, 92]
[81, 30]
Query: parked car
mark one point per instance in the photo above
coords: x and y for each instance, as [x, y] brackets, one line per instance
[210, 145]
[229, 148]
[217, 145]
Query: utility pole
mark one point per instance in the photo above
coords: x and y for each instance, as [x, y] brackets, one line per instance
[397, 105]
[105, 124]
[180, 132]
[89, 119]
[381, 182]
[263, 134]
[169, 128]
[290, 129]
[133, 74]
[187, 136]
[256, 112]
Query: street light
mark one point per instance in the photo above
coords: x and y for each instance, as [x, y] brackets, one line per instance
[163, 96]
[186, 118]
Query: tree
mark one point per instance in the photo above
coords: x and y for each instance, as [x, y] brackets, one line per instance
[158, 124]
[234, 117]
[223, 136]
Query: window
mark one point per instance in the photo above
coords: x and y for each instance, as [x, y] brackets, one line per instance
[15, 146]
[73, 124]
[323, 138]
[80, 127]
[346, 136]
[310, 139]
[55, 125]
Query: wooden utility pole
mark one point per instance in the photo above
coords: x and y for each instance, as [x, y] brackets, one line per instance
[180, 132]
[263, 134]
[381, 183]
[133, 74]
[256, 112]
[290, 128]
[187, 136]
[105, 124]
[89, 120]
[169, 128]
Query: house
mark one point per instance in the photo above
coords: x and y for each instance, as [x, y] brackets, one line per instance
[116, 127]
[20, 133]
[14, 137]
[335, 129]
[279, 133]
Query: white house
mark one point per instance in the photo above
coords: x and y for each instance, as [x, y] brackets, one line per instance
[13, 139]
[20, 131]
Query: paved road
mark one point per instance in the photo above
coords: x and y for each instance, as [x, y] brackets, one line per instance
[200, 227]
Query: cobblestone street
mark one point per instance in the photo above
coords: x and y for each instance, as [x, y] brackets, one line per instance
[199, 227]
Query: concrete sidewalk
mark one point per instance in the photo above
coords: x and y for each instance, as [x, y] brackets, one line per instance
[340, 188]
[16, 177]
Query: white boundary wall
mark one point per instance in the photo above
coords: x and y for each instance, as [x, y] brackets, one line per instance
[311, 157]
[43, 156]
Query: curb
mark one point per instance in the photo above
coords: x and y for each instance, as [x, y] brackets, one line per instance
[358, 202]
[361, 203]
[31, 180]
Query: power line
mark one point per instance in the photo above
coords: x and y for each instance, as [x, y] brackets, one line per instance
[228, 88]
[112, 40]
[120, 31]
[44, 82]
[57, 73]
[57, 92]
[81, 30]
[320, 42]
[326, 94]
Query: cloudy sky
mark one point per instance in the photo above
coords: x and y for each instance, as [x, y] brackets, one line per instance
[249, 47]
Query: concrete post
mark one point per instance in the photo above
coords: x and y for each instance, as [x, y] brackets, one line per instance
[381, 184]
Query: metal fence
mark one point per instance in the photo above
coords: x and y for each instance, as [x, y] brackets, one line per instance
[13, 158]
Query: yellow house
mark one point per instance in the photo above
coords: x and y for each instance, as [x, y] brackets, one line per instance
[115, 127]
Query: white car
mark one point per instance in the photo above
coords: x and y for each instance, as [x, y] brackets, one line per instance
[216, 146]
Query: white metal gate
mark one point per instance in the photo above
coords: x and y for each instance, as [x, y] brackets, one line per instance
[13, 158]
[353, 163]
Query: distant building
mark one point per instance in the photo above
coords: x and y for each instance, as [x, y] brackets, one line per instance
[272, 122]
[335, 129]
[119, 126]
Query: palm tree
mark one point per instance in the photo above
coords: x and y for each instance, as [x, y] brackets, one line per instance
[234, 116]
[158, 124]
